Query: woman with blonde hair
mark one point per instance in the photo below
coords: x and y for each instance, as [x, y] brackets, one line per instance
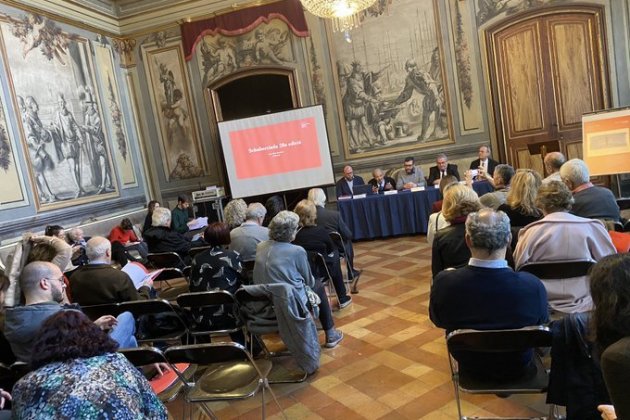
[520, 204]
[449, 246]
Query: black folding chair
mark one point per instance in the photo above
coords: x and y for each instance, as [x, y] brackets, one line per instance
[170, 283]
[498, 341]
[165, 260]
[321, 272]
[198, 250]
[558, 270]
[226, 371]
[248, 271]
[351, 280]
[202, 302]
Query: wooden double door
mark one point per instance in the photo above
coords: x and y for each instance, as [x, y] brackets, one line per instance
[547, 69]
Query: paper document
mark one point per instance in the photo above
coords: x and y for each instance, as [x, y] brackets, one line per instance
[139, 273]
[198, 223]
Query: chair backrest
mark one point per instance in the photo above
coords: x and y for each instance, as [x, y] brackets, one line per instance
[248, 271]
[197, 250]
[256, 312]
[164, 260]
[499, 341]
[338, 241]
[204, 354]
[96, 311]
[201, 299]
[558, 270]
[169, 274]
[142, 356]
[318, 265]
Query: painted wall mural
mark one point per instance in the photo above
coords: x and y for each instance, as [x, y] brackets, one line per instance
[488, 9]
[52, 79]
[391, 81]
[173, 112]
[12, 191]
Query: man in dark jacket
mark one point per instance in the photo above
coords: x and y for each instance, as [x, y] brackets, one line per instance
[161, 238]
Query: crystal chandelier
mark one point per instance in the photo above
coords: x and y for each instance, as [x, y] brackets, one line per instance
[343, 13]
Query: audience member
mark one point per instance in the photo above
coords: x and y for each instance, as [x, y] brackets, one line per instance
[51, 249]
[436, 219]
[449, 248]
[6, 354]
[561, 236]
[279, 261]
[484, 164]
[55, 230]
[125, 235]
[250, 233]
[411, 176]
[4, 397]
[380, 182]
[520, 203]
[217, 269]
[161, 238]
[315, 239]
[610, 289]
[553, 162]
[43, 288]
[77, 241]
[441, 170]
[501, 180]
[488, 295]
[151, 206]
[78, 374]
[179, 215]
[99, 283]
[347, 182]
[274, 205]
[591, 201]
[331, 221]
[234, 212]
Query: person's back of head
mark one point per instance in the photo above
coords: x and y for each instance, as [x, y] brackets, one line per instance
[307, 213]
[445, 181]
[99, 249]
[488, 233]
[317, 196]
[41, 252]
[554, 161]
[523, 190]
[459, 200]
[54, 230]
[255, 212]
[234, 212]
[273, 205]
[217, 233]
[505, 173]
[161, 217]
[284, 226]
[554, 196]
[574, 173]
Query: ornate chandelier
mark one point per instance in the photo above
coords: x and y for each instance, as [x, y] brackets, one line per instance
[343, 13]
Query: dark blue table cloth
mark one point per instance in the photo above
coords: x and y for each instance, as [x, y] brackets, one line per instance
[405, 213]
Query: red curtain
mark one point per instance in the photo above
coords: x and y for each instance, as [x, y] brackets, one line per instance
[242, 21]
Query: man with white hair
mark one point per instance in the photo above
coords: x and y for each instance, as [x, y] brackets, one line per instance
[99, 283]
[77, 240]
[591, 202]
[44, 289]
[250, 233]
[331, 221]
[161, 238]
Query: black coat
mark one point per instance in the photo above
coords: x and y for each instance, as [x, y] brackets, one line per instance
[434, 173]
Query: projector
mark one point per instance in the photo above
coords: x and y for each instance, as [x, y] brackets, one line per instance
[209, 194]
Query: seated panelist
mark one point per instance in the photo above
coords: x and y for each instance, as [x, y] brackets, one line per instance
[411, 176]
[349, 180]
[380, 182]
[441, 170]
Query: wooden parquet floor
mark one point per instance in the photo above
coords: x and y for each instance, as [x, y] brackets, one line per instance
[392, 363]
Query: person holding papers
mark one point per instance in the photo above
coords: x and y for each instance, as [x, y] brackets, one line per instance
[98, 282]
[179, 215]
[125, 235]
[381, 183]
[484, 165]
[345, 185]
[411, 176]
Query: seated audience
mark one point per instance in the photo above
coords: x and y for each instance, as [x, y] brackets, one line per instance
[98, 282]
[124, 235]
[4, 397]
[44, 289]
[590, 201]
[51, 249]
[488, 295]
[152, 205]
[55, 230]
[77, 241]
[347, 182]
[436, 219]
[279, 261]
[6, 354]
[234, 212]
[274, 205]
[441, 170]
[561, 236]
[331, 221]
[411, 176]
[520, 203]
[179, 215]
[610, 289]
[380, 182]
[501, 180]
[78, 374]
[161, 238]
[315, 238]
[250, 233]
[553, 161]
[484, 164]
[449, 248]
[217, 269]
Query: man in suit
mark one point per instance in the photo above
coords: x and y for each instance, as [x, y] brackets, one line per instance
[349, 180]
[485, 165]
[442, 168]
[380, 182]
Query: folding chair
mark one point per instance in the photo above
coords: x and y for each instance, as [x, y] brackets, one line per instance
[165, 260]
[248, 271]
[498, 341]
[197, 250]
[206, 301]
[351, 279]
[558, 270]
[321, 272]
[170, 290]
[226, 371]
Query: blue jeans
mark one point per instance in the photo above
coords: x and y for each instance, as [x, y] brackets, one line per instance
[123, 332]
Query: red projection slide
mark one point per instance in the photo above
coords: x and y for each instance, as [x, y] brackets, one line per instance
[276, 148]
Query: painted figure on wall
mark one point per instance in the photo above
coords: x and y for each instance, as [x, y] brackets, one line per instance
[218, 60]
[93, 131]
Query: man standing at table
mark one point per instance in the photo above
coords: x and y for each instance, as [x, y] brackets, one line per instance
[442, 169]
[484, 164]
[344, 185]
[380, 182]
[411, 176]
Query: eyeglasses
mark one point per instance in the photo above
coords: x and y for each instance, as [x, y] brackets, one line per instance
[60, 280]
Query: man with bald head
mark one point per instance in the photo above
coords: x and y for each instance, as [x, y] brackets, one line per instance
[487, 295]
[553, 161]
[98, 282]
[380, 182]
[347, 182]
[44, 290]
